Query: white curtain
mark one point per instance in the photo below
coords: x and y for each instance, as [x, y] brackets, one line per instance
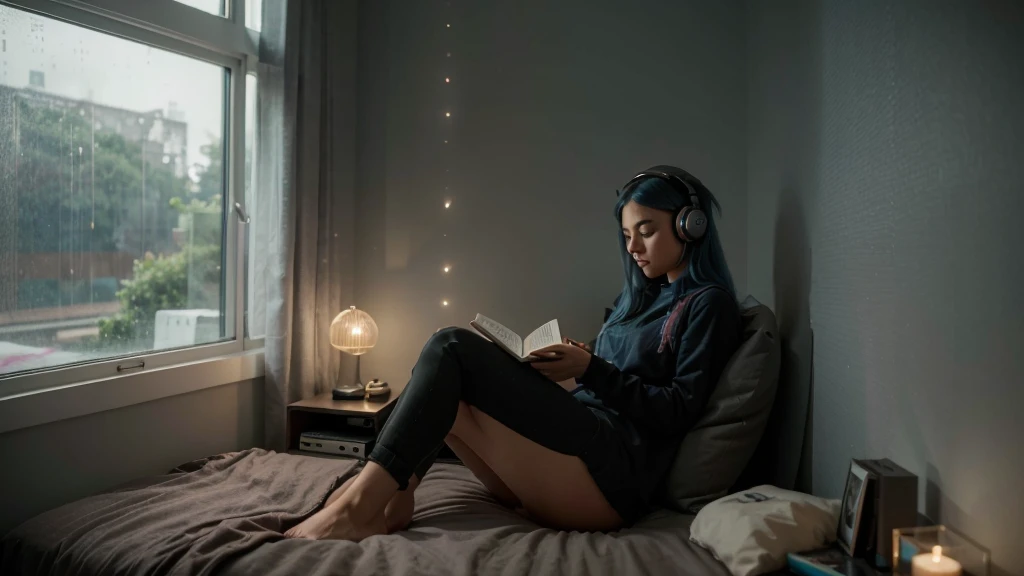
[302, 218]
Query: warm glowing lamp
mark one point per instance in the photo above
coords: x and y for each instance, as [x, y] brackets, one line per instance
[354, 331]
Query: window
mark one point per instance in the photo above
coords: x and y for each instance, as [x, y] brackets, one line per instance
[117, 229]
[253, 10]
[215, 7]
[254, 14]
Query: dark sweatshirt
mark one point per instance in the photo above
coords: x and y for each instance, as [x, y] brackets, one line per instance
[652, 376]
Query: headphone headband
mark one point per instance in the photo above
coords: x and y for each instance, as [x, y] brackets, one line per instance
[673, 176]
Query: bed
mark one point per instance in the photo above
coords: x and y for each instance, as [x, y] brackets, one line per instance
[224, 515]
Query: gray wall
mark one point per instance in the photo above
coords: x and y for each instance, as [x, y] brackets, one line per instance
[555, 105]
[49, 465]
[884, 207]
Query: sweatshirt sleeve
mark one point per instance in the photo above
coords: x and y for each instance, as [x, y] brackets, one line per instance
[707, 342]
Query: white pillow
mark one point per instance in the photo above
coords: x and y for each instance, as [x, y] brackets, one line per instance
[752, 531]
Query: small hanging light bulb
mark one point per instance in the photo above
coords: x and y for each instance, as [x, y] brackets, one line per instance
[446, 269]
[444, 302]
[447, 114]
[447, 80]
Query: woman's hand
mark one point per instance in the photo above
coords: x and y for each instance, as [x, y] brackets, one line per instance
[566, 361]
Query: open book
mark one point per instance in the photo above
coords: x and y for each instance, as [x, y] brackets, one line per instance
[509, 341]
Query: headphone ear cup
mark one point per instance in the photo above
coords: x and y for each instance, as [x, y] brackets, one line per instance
[696, 224]
[681, 218]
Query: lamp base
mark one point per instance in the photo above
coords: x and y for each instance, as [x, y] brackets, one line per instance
[348, 392]
[374, 390]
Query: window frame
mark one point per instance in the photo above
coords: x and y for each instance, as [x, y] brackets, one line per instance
[226, 42]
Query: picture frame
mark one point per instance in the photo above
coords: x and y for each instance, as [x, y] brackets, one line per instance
[851, 511]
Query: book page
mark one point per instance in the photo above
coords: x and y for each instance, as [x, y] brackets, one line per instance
[544, 336]
[499, 333]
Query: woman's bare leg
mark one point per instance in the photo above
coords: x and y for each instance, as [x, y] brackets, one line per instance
[564, 496]
[464, 424]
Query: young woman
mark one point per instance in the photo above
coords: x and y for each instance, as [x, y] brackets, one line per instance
[577, 440]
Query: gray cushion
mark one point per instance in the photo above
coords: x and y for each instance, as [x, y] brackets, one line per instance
[714, 453]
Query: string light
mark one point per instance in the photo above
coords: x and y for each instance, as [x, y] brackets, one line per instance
[446, 128]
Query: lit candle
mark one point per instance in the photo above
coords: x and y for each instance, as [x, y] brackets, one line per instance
[934, 564]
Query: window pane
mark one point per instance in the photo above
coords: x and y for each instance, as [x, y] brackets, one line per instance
[255, 307]
[111, 186]
[254, 14]
[215, 7]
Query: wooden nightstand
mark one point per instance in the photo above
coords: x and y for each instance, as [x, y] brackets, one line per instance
[321, 412]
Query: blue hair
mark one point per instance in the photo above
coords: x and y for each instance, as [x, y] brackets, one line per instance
[707, 264]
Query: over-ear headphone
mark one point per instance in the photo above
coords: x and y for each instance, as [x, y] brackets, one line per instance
[690, 223]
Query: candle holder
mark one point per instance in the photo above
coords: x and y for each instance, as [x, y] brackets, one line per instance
[936, 551]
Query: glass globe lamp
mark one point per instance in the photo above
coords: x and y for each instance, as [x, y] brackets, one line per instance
[354, 331]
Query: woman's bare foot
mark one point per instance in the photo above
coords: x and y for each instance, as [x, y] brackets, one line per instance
[338, 522]
[397, 514]
[357, 509]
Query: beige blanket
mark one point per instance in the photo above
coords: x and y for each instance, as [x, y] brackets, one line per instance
[225, 515]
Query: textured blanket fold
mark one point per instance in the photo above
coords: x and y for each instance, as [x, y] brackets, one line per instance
[180, 522]
[225, 515]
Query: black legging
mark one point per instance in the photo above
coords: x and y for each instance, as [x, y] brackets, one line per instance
[458, 364]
